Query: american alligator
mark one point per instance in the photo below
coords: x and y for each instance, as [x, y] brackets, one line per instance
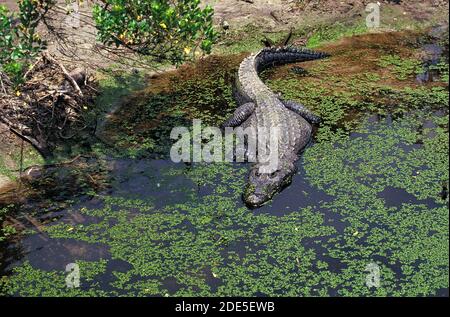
[260, 107]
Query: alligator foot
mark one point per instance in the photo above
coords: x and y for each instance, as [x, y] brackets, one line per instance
[302, 111]
[240, 115]
[299, 71]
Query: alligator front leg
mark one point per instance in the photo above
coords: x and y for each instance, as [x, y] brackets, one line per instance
[240, 115]
[302, 110]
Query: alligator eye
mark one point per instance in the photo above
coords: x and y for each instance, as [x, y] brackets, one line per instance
[273, 174]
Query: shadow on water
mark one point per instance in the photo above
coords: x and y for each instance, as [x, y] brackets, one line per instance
[395, 197]
[300, 194]
[433, 53]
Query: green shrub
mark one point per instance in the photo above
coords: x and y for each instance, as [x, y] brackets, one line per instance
[164, 30]
[19, 40]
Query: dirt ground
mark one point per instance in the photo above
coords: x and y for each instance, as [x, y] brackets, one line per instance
[76, 41]
[276, 14]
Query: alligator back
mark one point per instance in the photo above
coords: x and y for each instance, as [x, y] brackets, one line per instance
[294, 132]
[249, 85]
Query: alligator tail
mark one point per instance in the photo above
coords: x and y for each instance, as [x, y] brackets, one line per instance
[272, 56]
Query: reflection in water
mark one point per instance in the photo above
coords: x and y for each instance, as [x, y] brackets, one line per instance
[395, 197]
[54, 254]
[432, 56]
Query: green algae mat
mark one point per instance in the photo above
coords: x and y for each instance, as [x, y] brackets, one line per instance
[366, 215]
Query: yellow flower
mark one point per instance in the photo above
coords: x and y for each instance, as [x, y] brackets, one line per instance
[187, 50]
[18, 93]
[163, 25]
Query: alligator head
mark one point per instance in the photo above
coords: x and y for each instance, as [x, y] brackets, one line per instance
[261, 187]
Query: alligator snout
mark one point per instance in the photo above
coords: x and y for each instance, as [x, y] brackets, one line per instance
[255, 201]
[260, 188]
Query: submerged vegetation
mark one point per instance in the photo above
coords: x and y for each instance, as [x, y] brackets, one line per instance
[369, 191]
[198, 91]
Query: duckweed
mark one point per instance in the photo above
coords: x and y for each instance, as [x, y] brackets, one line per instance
[381, 157]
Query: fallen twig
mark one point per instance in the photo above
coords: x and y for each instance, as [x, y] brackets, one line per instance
[41, 149]
[3, 87]
[59, 164]
[66, 73]
[31, 69]
[39, 227]
[275, 16]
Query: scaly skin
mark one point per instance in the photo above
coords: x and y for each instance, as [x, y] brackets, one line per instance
[262, 108]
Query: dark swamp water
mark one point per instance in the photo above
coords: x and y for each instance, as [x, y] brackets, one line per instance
[374, 193]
